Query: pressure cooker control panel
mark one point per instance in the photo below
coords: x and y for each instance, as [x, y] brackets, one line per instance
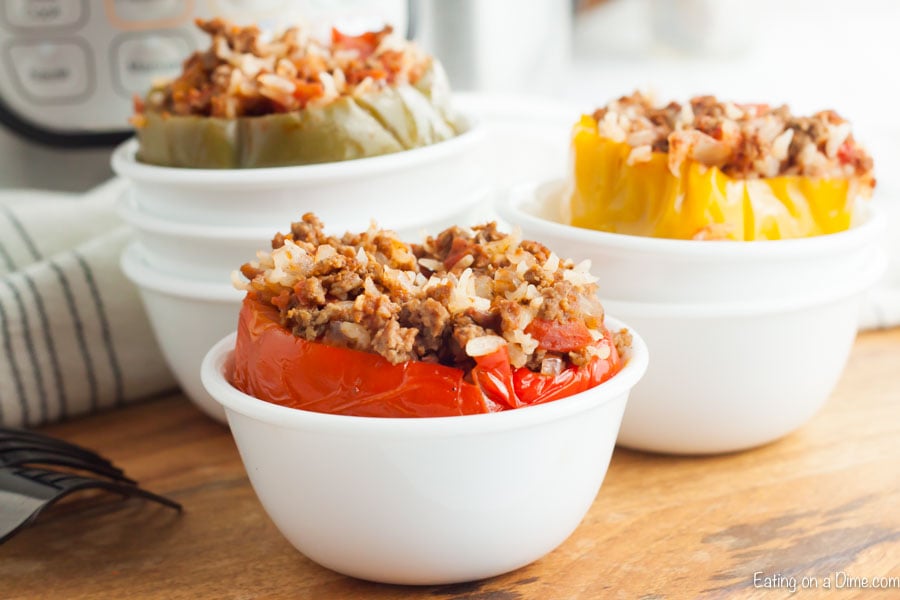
[72, 67]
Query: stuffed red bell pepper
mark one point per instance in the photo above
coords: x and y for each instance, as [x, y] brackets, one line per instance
[470, 321]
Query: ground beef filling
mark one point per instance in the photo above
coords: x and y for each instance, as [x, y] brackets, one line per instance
[427, 302]
[744, 140]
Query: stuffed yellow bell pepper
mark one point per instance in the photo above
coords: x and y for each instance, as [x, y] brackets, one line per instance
[714, 170]
[293, 100]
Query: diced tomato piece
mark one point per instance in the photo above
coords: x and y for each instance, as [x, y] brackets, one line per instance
[755, 109]
[846, 153]
[365, 43]
[555, 336]
[376, 74]
[459, 248]
[304, 92]
[282, 299]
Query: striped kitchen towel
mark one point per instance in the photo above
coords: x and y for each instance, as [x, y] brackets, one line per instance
[73, 335]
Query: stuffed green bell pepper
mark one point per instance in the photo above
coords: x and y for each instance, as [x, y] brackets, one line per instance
[293, 100]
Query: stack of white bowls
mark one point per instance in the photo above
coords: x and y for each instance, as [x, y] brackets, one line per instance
[747, 339]
[194, 227]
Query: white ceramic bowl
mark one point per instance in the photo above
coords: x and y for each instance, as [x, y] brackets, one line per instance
[187, 318]
[431, 500]
[211, 252]
[644, 269]
[400, 189]
[748, 338]
[728, 379]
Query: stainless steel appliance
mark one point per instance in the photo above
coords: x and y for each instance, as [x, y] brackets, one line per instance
[497, 45]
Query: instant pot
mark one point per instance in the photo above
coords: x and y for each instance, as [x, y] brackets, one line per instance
[70, 68]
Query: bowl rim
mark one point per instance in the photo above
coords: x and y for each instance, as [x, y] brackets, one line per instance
[135, 267]
[237, 401]
[509, 206]
[128, 209]
[866, 279]
[125, 164]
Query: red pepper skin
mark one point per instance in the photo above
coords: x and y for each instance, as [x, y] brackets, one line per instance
[534, 388]
[272, 364]
[494, 375]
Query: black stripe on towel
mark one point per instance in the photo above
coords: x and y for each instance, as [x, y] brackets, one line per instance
[17, 376]
[29, 347]
[79, 332]
[7, 258]
[26, 239]
[51, 346]
[104, 327]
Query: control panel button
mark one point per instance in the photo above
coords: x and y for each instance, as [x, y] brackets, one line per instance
[51, 71]
[139, 60]
[139, 11]
[31, 14]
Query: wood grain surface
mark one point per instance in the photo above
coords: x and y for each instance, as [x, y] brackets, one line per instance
[822, 504]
